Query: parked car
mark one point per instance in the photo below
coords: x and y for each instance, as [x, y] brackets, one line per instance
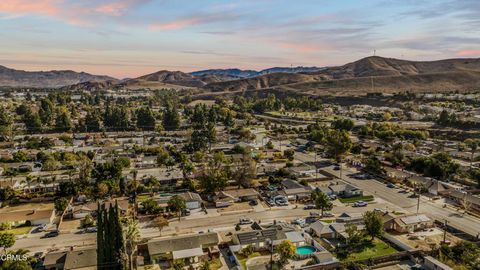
[281, 202]
[332, 197]
[51, 234]
[91, 230]
[336, 168]
[271, 202]
[308, 206]
[253, 202]
[360, 204]
[328, 214]
[390, 185]
[300, 222]
[314, 214]
[244, 221]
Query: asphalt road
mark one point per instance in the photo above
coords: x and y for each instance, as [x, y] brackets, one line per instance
[433, 209]
[34, 242]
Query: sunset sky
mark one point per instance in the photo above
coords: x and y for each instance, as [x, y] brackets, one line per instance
[127, 38]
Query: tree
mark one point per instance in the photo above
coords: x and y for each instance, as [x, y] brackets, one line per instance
[171, 118]
[247, 251]
[286, 250]
[343, 124]
[473, 144]
[92, 121]
[177, 204]
[7, 240]
[6, 123]
[246, 171]
[110, 241]
[373, 166]
[46, 111]
[160, 222]
[289, 154]
[354, 236]
[6, 194]
[32, 121]
[214, 177]
[132, 234]
[178, 264]
[145, 119]
[61, 204]
[338, 143]
[151, 207]
[373, 224]
[63, 122]
[322, 201]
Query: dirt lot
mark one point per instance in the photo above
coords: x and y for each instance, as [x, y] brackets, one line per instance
[235, 207]
[425, 240]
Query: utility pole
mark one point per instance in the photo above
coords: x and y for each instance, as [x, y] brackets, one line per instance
[418, 199]
[445, 232]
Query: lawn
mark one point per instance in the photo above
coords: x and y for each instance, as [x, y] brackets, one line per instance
[243, 259]
[376, 249]
[20, 230]
[215, 264]
[357, 198]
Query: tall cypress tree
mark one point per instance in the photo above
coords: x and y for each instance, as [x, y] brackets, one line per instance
[100, 235]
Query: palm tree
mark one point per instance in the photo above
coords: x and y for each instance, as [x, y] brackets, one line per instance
[132, 234]
[28, 180]
[473, 144]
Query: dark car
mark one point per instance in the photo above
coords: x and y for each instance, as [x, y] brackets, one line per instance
[253, 202]
[390, 185]
[336, 168]
[51, 234]
[309, 207]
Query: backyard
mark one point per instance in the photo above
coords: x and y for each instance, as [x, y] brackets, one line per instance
[368, 250]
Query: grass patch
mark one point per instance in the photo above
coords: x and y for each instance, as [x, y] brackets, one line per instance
[370, 250]
[368, 198]
[215, 264]
[327, 220]
[243, 260]
[19, 230]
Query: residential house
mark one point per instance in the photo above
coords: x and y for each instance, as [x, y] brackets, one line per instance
[263, 238]
[407, 223]
[228, 197]
[193, 200]
[293, 190]
[463, 198]
[33, 217]
[193, 248]
[321, 229]
[90, 208]
[356, 218]
[345, 190]
[81, 259]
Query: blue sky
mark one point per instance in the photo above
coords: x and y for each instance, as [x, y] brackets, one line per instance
[127, 38]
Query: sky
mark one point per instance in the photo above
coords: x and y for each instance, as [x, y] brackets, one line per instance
[129, 38]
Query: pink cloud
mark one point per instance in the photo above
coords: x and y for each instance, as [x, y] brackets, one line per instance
[191, 21]
[84, 12]
[468, 53]
[22, 7]
[112, 9]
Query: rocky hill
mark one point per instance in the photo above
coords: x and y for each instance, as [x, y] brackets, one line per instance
[46, 79]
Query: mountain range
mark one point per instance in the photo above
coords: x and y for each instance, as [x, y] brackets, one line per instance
[365, 75]
[49, 79]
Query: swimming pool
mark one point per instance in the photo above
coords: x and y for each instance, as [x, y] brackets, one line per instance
[305, 250]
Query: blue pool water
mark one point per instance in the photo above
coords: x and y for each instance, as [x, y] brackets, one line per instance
[305, 250]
